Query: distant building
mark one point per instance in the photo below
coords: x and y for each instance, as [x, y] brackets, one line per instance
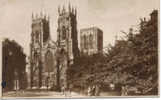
[91, 40]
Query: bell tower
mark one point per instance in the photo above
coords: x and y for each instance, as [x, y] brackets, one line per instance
[67, 32]
[67, 40]
[39, 36]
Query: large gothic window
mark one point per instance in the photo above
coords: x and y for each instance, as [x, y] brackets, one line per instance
[45, 32]
[91, 41]
[49, 61]
[85, 42]
[37, 36]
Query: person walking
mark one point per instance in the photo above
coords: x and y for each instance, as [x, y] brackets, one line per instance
[70, 88]
[97, 90]
[63, 89]
[122, 91]
[126, 90]
[89, 91]
[93, 90]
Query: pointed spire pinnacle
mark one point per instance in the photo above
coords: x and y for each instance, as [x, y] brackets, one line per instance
[69, 7]
[63, 9]
[59, 9]
[72, 9]
[45, 16]
[75, 11]
[32, 16]
[48, 18]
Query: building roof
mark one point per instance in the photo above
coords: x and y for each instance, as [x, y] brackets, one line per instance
[90, 28]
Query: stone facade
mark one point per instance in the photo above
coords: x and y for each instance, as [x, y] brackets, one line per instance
[42, 50]
[91, 40]
[50, 61]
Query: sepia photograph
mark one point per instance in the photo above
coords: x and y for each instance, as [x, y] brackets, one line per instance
[79, 48]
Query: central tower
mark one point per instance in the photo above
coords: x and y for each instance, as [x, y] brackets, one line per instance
[67, 41]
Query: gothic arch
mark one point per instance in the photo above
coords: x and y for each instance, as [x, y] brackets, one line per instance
[36, 58]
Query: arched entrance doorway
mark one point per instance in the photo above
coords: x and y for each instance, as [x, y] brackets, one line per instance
[49, 69]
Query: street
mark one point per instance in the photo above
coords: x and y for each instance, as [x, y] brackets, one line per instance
[42, 94]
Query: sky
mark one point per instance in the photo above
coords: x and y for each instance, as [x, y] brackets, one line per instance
[111, 16]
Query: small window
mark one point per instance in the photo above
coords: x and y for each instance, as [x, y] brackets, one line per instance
[67, 18]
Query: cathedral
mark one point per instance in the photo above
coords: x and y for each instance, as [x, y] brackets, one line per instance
[50, 60]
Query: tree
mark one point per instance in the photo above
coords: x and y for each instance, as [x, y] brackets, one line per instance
[13, 61]
[132, 61]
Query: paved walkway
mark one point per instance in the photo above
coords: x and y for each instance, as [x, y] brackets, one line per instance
[42, 94]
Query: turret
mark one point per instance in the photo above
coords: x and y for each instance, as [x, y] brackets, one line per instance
[72, 10]
[48, 18]
[63, 11]
[59, 10]
[32, 16]
[75, 12]
[69, 8]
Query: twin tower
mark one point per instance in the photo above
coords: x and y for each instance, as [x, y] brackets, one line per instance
[50, 60]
